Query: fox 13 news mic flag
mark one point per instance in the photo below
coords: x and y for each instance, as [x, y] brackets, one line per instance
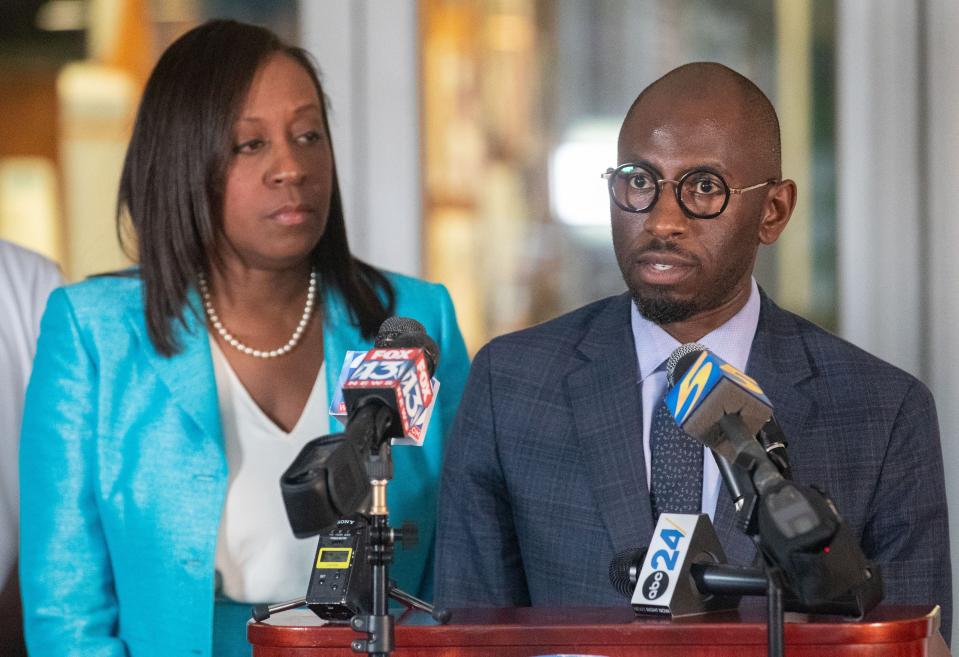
[383, 395]
[394, 334]
[359, 366]
[397, 372]
[397, 376]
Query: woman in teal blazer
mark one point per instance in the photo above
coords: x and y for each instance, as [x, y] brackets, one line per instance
[123, 466]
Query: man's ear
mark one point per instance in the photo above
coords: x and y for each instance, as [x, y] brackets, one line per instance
[778, 208]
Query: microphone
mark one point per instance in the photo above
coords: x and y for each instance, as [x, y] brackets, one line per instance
[710, 578]
[740, 486]
[679, 574]
[771, 435]
[388, 394]
[398, 332]
[774, 442]
[799, 528]
[721, 407]
[737, 480]
[396, 376]
[624, 570]
[352, 360]
[725, 579]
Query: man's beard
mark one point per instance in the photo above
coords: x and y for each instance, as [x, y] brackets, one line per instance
[660, 309]
[659, 305]
[662, 305]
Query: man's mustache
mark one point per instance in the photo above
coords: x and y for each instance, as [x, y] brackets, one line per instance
[658, 245]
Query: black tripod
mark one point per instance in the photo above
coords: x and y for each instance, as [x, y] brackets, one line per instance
[378, 624]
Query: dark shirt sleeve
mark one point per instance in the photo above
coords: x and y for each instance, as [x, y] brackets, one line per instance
[907, 532]
[478, 562]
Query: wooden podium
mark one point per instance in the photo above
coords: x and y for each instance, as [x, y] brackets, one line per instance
[615, 632]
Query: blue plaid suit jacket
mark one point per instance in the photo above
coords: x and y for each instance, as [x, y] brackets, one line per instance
[544, 476]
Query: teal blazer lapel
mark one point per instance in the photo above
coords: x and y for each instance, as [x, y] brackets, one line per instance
[188, 375]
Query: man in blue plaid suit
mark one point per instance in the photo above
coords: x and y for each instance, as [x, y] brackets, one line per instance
[547, 469]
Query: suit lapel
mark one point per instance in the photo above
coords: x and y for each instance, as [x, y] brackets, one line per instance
[607, 411]
[778, 362]
[188, 375]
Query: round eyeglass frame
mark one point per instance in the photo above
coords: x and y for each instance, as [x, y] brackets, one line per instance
[611, 173]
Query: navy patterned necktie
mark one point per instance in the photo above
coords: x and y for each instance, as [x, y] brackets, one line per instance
[676, 469]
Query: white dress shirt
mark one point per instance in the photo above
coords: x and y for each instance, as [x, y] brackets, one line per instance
[257, 557]
[26, 280]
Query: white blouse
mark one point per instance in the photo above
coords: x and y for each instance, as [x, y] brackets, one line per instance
[257, 557]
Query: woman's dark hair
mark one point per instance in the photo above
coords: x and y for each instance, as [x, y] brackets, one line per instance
[171, 189]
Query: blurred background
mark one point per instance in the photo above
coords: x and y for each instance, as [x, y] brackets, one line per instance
[470, 135]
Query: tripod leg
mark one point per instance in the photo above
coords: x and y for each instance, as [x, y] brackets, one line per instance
[261, 612]
[441, 616]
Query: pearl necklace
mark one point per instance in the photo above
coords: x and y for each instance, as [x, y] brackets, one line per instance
[250, 351]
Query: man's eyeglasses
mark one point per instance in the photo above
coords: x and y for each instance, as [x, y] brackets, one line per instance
[701, 193]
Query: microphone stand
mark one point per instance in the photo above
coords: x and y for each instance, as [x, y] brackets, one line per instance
[739, 479]
[379, 624]
[840, 564]
[775, 624]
